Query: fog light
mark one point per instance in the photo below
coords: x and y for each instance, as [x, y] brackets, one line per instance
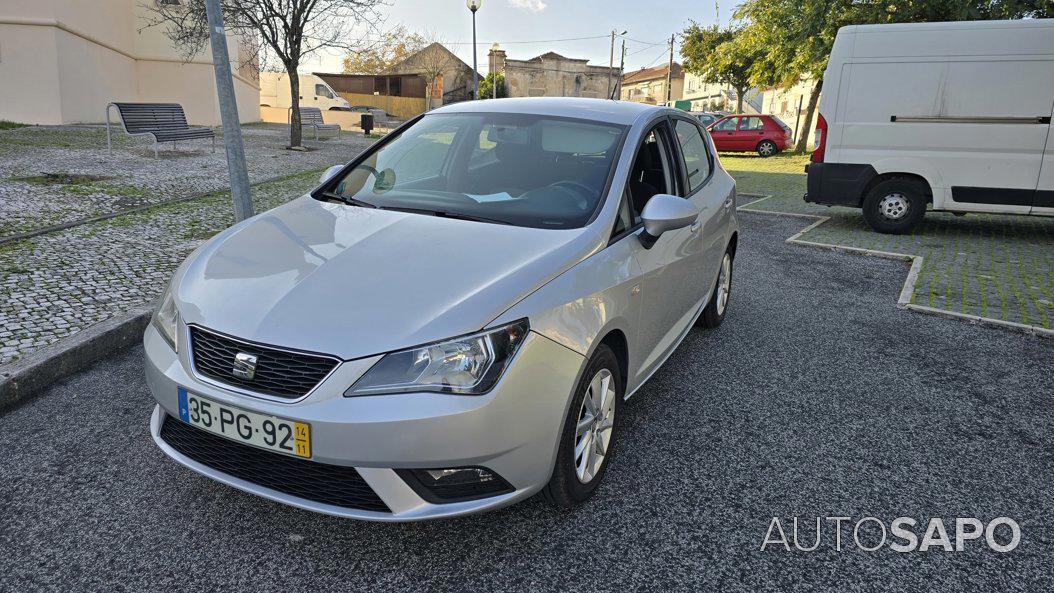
[456, 484]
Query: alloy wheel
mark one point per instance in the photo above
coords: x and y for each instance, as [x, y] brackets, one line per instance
[724, 284]
[596, 419]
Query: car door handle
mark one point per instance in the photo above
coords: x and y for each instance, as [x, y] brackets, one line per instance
[695, 226]
[728, 202]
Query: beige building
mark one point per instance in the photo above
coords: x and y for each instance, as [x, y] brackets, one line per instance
[447, 79]
[648, 85]
[790, 104]
[705, 96]
[62, 61]
[552, 75]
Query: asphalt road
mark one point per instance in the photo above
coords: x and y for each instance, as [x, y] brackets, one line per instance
[817, 397]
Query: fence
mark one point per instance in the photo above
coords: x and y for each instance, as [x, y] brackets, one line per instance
[400, 107]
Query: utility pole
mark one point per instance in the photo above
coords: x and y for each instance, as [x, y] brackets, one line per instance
[621, 72]
[611, 56]
[232, 129]
[669, 74]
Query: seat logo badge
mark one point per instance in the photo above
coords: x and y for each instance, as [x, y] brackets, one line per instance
[244, 366]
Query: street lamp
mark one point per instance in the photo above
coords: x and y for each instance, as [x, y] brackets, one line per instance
[474, 5]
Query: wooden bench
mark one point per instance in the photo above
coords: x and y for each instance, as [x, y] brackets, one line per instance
[166, 122]
[311, 117]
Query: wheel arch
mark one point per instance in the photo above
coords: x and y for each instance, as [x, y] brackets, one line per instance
[909, 177]
[616, 340]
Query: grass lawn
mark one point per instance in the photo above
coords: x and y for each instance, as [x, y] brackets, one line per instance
[10, 125]
[995, 266]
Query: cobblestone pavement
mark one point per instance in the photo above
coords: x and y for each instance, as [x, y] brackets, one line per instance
[1000, 267]
[56, 284]
[57, 174]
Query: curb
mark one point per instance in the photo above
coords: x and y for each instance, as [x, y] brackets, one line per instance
[26, 378]
[908, 290]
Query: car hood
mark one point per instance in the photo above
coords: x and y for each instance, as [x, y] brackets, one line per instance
[355, 282]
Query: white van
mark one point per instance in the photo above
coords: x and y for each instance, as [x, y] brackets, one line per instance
[952, 114]
[314, 92]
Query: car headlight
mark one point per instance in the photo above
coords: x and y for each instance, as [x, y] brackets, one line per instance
[469, 365]
[165, 317]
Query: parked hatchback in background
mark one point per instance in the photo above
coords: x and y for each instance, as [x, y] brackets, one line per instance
[764, 134]
[704, 117]
[451, 322]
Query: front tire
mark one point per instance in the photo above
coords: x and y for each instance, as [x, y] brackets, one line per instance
[895, 206]
[589, 434]
[715, 310]
[767, 148]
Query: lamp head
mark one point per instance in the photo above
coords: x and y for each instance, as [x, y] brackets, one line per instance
[474, 5]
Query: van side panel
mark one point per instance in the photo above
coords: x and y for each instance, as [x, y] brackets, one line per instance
[901, 117]
[965, 106]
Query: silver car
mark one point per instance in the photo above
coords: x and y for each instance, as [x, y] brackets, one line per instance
[451, 322]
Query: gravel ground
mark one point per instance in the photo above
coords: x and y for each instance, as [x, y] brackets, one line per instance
[131, 176]
[817, 397]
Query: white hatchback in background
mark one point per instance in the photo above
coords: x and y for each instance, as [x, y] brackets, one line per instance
[451, 322]
[956, 115]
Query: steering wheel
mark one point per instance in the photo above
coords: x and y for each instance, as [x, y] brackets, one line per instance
[584, 190]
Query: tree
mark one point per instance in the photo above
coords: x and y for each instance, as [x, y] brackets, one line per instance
[486, 86]
[287, 30]
[719, 56]
[795, 37]
[393, 48]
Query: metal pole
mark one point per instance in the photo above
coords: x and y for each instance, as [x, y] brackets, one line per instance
[621, 72]
[232, 130]
[669, 75]
[611, 61]
[475, 69]
[797, 119]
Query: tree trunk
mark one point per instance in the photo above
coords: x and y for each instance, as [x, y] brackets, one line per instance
[294, 116]
[803, 139]
[739, 100]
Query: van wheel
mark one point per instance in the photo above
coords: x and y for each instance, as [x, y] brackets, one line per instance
[895, 206]
[767, 148]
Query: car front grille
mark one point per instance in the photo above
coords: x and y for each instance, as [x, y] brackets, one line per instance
[279, 373]
[320, 482]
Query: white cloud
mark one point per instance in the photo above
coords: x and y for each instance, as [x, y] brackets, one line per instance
[529, 5]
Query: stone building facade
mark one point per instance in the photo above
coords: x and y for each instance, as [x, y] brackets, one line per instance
[552, 75]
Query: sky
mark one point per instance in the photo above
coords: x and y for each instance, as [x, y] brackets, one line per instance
[549, 25]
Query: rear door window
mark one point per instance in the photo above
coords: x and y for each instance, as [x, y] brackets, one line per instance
[693, 149]
[751, 124]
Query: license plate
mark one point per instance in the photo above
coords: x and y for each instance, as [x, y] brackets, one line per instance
[260, 430]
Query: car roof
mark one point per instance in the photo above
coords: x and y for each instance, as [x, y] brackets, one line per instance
[616, 112]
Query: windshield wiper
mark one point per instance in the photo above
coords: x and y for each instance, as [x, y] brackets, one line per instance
[446, 214]
[346, 200]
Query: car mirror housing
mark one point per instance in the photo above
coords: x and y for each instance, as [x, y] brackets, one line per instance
[329, 173]
[663, 213]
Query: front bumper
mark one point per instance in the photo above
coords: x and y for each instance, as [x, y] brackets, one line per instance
[513, 430]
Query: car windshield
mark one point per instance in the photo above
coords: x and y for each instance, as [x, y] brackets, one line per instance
[524, 170]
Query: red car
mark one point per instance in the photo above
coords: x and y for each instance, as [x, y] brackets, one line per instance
[765, 134]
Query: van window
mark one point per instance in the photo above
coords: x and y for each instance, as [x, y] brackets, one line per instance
[323, 91]
[693, 147]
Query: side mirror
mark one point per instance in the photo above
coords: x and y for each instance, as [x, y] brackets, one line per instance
[663, 213]
[329, 173]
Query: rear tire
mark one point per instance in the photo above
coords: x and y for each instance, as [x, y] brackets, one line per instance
[895, 206]
[570, 484]
[767, 148]
[715, 310]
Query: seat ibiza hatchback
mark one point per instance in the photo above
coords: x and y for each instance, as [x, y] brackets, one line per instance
[451, 322]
